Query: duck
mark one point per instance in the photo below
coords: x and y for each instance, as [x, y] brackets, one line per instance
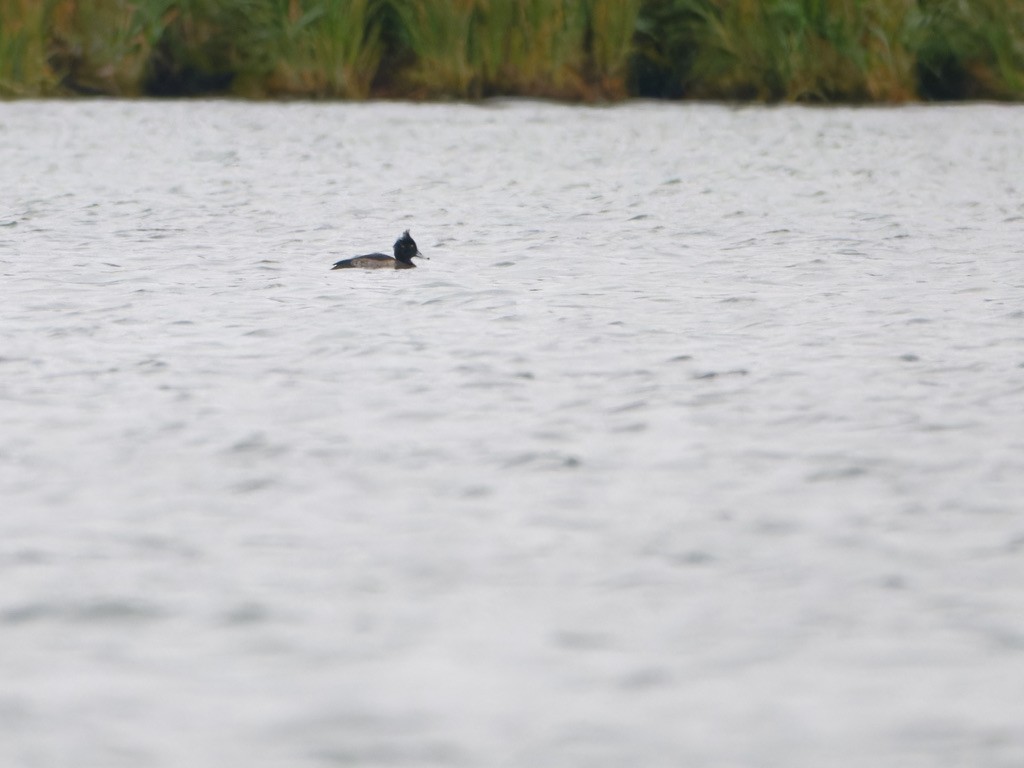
[405, 250]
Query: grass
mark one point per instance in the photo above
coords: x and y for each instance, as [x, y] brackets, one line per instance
[765, 50]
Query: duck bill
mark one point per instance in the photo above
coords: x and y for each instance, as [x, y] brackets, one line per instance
[419, 255]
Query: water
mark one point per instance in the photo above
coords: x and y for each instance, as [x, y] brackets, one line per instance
[698, 441]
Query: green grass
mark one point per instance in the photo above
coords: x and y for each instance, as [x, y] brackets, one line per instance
[764, 50]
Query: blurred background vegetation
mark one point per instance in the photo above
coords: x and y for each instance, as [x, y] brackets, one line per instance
[589, 50]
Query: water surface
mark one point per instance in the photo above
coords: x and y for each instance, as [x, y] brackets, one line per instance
[698, 441]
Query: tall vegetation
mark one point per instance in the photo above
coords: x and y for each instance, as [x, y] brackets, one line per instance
[557, 48]
[768, 50]
[326, 49]
[969, 48]
[795, 50]
[24, 28]
[828, 50]
[105, 46]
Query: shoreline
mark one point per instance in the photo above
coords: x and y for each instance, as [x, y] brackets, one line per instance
[499, 101]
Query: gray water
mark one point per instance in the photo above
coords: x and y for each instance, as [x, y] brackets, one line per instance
[698, 441]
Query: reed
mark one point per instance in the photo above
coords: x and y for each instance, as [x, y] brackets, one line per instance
[312, 49]
[197, 49]
[969, 49]
[832, 50]
[104, 46]
[555, 48]
[766, 50]
[24, 70]
[439, 36]
[795, 50]
[888, 63]
[612, 31]
[545, 52]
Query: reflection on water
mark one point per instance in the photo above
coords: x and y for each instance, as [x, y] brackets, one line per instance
[699, 422]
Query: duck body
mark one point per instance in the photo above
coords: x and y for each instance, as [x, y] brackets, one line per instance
[373, 261]
[405, 250]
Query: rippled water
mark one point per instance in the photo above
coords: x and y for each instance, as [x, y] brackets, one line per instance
[699, 441]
